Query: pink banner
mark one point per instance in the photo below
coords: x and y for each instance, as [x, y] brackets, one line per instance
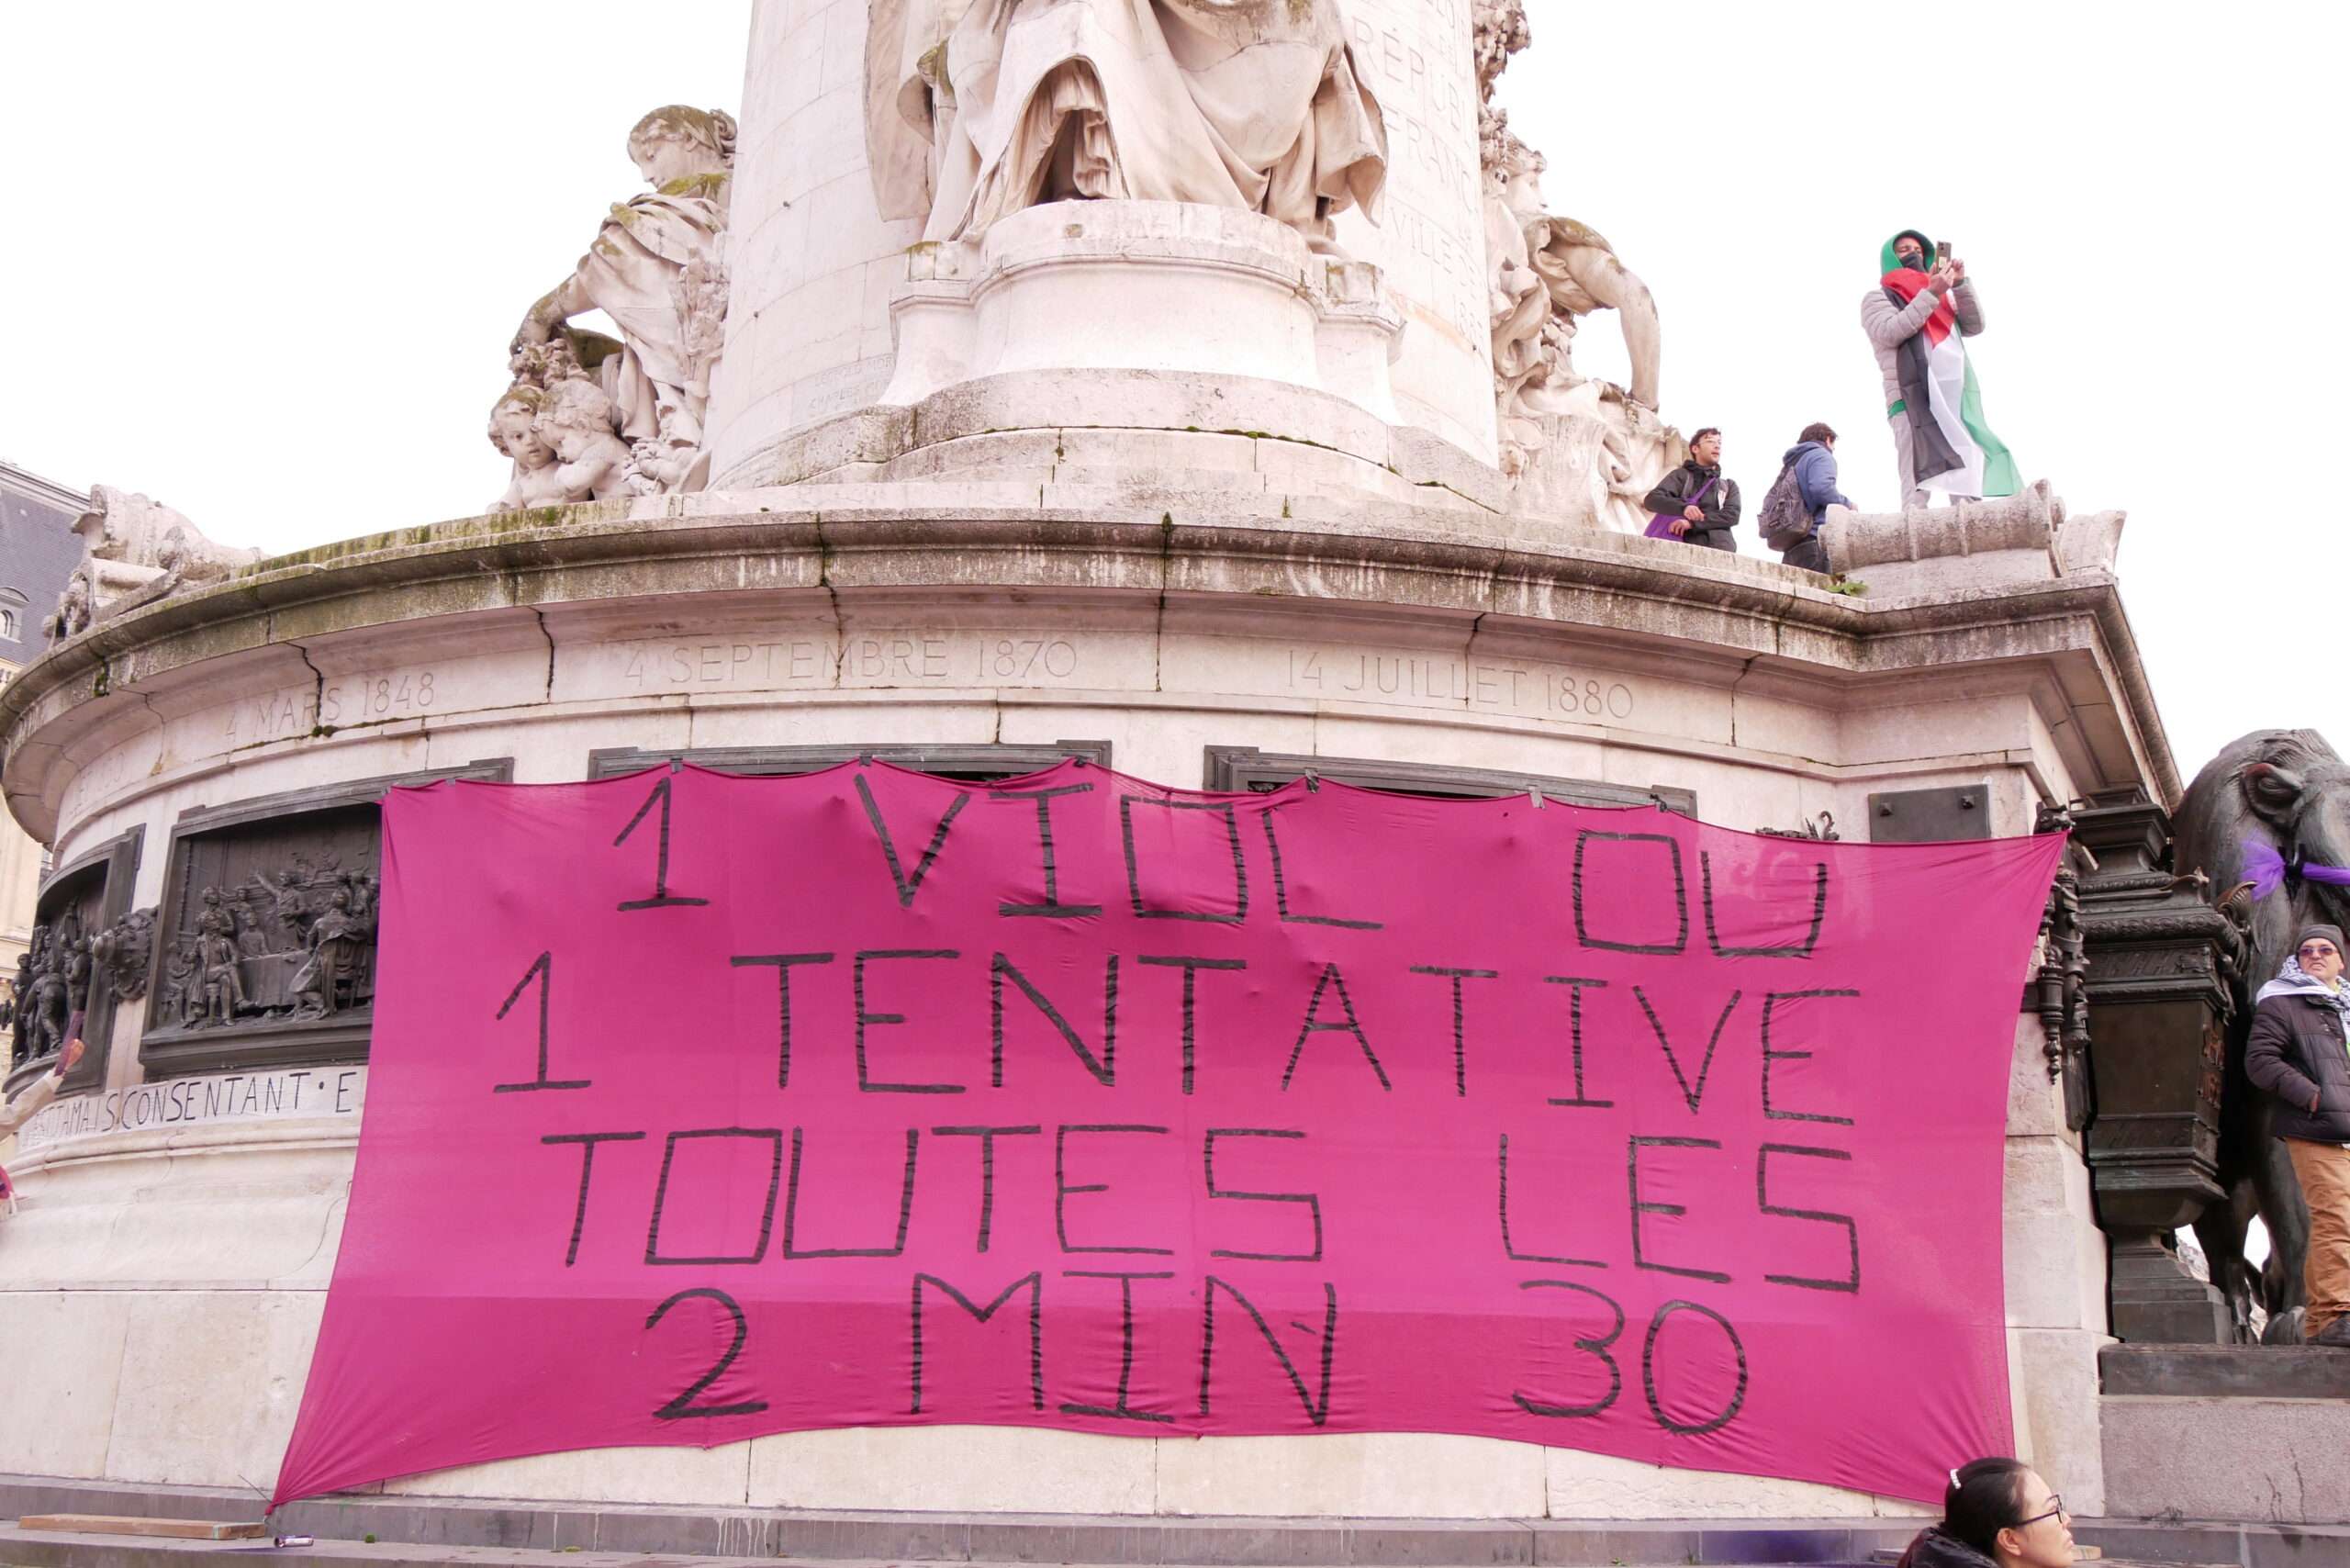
[704, 1106]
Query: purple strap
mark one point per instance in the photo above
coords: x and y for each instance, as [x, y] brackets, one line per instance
[1661, 524]
[2266, 868]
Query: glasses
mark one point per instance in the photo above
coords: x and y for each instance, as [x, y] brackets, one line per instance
[2319, 950]
[2055, 1510]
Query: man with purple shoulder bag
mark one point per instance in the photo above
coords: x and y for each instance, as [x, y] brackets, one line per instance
[1695, 503]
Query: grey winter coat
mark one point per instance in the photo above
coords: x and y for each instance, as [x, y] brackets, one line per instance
[1890, 325]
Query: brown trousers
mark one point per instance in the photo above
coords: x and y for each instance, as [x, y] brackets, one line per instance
[2324, 1172]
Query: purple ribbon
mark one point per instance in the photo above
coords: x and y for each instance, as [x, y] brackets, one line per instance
[2266, 870]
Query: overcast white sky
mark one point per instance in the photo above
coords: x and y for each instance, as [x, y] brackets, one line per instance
[261, 260]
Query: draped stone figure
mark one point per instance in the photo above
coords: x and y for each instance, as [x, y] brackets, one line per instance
[979, 108]
[657, 268]
[1582, 448]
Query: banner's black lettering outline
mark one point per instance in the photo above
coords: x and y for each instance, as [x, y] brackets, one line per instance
[587, 1142]
[1851, 1286]
[1330, 976]
[783, 964]
[905, 1210]
[767, 1215]
[1062, 1190]
[1281, 891]
[1705, 1068]
[1632, 1159]
[683, 1407]
[1035, 1284]
[1127, 804]
[1105, 1068]
[542, 970]
[1577, 985]
[1317, 1412]
[1311, 1200]
[1802, 949]
[1052, 906]
[1509, 1249]
[864, 1085]
[1648, 1370]
[1770, 1000]
[1598, 1347]
[987, 1137]
[1680, 944]
[661, 897]
[907, 886]
[1121, 1410]
[1191, 1015]
[1460, 1044]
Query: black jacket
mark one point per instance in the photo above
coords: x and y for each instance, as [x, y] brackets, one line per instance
[1720, 505]
[2297, 1053]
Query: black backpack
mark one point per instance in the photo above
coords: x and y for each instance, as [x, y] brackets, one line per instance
[1784, 520]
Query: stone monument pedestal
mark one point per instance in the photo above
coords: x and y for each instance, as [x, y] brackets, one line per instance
[1142, 285]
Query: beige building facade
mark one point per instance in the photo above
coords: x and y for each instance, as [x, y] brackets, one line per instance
[38, 550]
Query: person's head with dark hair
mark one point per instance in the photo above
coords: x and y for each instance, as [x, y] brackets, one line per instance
[1706, 447]
[1818, 432]
[1997, 1512]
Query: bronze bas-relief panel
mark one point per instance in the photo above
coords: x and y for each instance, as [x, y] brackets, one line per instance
[272, 922]
[266, 936]
[86, 947]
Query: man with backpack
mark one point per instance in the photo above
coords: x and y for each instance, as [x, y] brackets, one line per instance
[1695, 503]
[1799, 496]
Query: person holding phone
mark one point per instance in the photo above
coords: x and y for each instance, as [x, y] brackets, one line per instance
[1917, 318]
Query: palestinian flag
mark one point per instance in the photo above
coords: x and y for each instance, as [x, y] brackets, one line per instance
[1956, 453]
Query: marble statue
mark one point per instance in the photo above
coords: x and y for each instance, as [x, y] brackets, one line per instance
[135, 551]
[1547, 274]
[979, 108]
[658, 269]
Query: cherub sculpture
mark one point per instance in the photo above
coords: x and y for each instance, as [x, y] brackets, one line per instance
[655, 269]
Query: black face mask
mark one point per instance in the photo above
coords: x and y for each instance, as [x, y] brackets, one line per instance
[1915, 264]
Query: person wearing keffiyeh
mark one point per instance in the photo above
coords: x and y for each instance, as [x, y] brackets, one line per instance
[1919, 317]
[2298, 1053]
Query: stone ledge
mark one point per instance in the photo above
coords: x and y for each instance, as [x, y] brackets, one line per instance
[499, 1531]
[2208, 1371]
[1420, 558]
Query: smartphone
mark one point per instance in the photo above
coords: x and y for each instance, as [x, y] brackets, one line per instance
[1942, 252]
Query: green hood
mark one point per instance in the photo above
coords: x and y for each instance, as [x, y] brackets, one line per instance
[1888, 261]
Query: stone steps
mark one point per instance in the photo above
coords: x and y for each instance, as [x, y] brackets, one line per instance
[50, 1549]
[430, 1529]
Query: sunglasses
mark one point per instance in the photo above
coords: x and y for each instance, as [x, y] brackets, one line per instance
[2055, 1510]
[2319, 950]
